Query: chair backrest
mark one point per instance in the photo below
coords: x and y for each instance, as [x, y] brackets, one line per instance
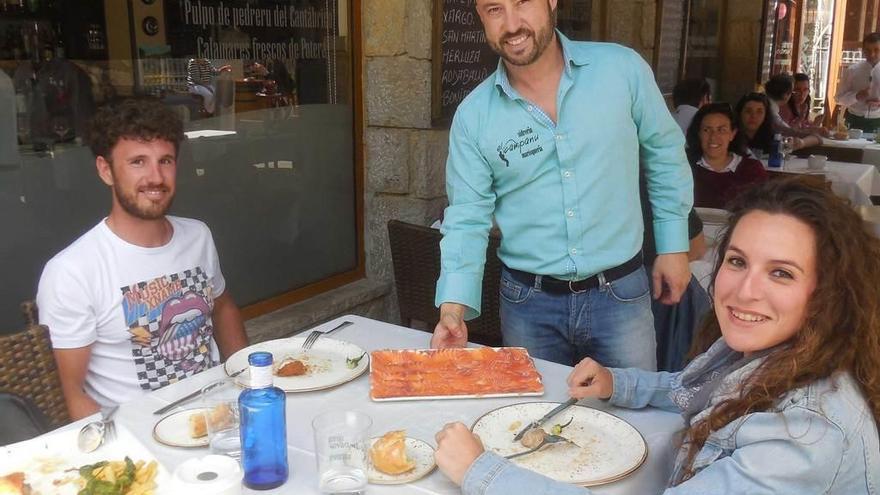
[415, 253]
[27, 368]
[22, 419]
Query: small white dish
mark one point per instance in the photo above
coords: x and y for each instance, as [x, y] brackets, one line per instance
[419, 451]
[173, 430]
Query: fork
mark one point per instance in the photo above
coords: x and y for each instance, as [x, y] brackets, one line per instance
[109, 424]
[310, 340]
[548, 439]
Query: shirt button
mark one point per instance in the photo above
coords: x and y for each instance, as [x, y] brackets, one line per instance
[570, 213]
[566, 174]
[559, 137]
[574, 251]
[531, 108]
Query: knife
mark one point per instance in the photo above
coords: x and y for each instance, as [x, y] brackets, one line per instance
[535, 424]
[191, 396]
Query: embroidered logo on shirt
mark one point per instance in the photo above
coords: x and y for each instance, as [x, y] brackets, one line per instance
[526, 142]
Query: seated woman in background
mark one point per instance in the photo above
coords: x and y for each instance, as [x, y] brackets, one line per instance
[797, 112]
[755, 122]
[718, 158]
[787, 400]
[752, 111]
[779, 89]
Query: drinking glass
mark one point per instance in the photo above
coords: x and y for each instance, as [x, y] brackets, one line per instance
[787, 149]
[341, 442]
[220, 402]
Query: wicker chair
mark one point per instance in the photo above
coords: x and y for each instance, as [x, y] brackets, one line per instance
[27, 368]
[415, 251]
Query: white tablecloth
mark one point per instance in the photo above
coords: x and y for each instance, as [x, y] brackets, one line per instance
[860, 143]
[854, 181]
[421, 419]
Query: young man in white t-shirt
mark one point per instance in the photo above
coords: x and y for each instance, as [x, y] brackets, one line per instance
[139, 300]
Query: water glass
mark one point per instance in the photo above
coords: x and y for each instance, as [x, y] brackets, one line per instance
[220, 402]
[341, 443]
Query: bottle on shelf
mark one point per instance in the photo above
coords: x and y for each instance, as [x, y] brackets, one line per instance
[775, 160]
[263, 427]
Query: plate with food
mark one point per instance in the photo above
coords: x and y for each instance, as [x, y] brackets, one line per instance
[596, 447]
[328, 363]
[396, 459]
[414, 374]
[53, 464]
[186, 429]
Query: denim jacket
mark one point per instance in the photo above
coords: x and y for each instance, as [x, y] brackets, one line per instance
[820, 439]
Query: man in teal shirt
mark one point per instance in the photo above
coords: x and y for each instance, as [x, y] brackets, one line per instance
[549, 146]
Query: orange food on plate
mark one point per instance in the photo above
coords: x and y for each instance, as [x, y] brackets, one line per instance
[453, 372]
[291, 367]
[13, 484]
[388, 454]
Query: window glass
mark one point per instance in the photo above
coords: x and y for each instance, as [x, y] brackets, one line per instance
[265, 90]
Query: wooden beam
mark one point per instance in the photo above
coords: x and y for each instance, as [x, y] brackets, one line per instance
[874, 14]
[863, 7]
[834, 69]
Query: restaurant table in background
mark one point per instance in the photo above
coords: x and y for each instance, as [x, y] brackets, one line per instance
[856, 182]
[870, 150]
[871, 217]
[421, 419]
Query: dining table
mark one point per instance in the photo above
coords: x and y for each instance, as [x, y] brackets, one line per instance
[866, 145]
[421, 419]
[856, 182]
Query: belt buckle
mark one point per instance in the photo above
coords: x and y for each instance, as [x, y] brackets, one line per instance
[572, 289]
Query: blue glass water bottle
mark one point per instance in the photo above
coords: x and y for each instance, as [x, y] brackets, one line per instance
[775, 160]
[263, 427]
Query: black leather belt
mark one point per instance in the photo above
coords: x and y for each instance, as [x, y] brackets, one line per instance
[557, 286]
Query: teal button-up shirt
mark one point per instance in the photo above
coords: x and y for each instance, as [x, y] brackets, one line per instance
[565, 195]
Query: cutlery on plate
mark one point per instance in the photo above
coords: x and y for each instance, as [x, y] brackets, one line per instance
[537, 424]
[193, 395]
[310, 340]
[548, 439]
[95, 433]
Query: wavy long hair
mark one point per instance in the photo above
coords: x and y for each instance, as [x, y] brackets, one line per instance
[841, 328]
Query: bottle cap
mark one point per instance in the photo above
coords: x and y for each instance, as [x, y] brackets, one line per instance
[261, 358]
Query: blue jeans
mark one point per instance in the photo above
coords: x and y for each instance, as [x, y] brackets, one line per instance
[612, 323]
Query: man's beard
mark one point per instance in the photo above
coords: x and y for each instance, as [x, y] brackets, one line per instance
[542, 39]
[130, 205]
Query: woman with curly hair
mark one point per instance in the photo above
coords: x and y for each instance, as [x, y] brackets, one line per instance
[786, 396]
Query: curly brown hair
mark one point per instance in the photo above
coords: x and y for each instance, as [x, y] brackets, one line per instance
[841, 328]
[139, 119]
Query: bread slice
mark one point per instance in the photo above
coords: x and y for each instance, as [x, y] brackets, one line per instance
[388, 454]
[197, 426]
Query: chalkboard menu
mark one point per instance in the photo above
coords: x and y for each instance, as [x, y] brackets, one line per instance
[461, 57]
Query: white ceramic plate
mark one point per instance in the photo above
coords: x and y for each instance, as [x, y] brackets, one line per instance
[420, 452]
[326, 360]
[173, 430]
[608, 448]
[45, 459]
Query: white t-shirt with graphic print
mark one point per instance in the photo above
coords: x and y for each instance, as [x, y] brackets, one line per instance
[145, 312]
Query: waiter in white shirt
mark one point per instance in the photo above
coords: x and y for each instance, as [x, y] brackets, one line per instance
[854, 92]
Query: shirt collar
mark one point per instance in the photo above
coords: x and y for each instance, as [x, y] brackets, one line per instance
[571, 55]
[731, 166]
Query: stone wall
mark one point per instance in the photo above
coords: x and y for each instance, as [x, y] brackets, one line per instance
[405, 157]
[631, 23]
